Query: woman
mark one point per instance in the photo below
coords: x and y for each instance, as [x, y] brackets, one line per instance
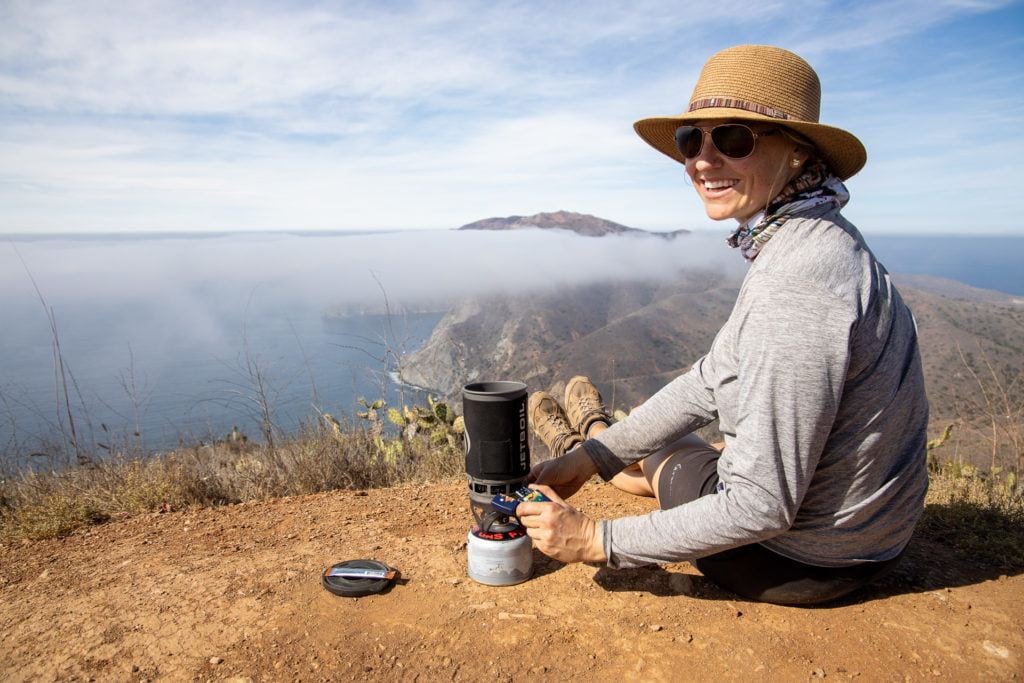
[815, 378]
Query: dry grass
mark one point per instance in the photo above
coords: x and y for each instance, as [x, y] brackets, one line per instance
[977, 512]
[38, 505]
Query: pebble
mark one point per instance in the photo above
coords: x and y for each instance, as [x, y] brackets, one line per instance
[655, 627]
[995, 650]
[484, 605]
[454, 581]
[820, 673]
[216, 660]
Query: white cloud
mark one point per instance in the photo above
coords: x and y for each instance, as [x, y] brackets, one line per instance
[240, 116]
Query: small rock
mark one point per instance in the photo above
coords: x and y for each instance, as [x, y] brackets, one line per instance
[819, 673]
[361, 494]
[216, 660]
[689, 637]
[739, 613]
[484, 605]
[655, 627]
[135, 668]
[995, 650]
[46, 573]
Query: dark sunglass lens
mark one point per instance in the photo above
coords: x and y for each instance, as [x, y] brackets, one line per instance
[688, 141]
[733, 140]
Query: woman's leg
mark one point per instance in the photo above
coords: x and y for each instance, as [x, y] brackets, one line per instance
[643, 478]
[756, 573]
[752, 571]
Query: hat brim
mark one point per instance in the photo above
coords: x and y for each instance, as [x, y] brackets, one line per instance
[841, 150]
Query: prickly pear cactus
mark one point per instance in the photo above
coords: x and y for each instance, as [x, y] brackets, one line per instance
[433, 427]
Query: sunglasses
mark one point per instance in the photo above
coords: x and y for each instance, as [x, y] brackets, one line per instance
[733, 140]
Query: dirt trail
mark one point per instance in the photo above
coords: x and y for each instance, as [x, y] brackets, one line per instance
[234, 593]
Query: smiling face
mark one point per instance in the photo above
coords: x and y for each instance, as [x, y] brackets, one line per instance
[739, 188]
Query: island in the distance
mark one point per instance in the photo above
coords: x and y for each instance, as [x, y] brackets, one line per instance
[580, 223]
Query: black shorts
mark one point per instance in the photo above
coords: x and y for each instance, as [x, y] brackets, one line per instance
[753, 571]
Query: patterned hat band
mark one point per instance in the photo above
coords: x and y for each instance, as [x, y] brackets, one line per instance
[732, 103]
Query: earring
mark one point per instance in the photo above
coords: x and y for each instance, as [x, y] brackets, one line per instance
[794, 163]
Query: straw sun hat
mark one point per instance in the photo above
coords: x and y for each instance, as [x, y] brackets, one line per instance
[760, 83]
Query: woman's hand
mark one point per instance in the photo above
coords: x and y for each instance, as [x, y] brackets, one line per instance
[561, 531]
[565, 475]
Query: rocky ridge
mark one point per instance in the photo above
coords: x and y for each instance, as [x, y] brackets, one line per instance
[631, 338]
[580, 223]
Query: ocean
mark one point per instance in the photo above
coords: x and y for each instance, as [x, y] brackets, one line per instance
[174, 339]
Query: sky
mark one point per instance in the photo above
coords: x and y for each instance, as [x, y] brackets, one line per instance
[282, 116]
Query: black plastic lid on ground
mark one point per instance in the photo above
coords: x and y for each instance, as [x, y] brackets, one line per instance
[356, 588]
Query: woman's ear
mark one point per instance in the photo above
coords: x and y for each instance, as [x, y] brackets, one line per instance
[798, 157]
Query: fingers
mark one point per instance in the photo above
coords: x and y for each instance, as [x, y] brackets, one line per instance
[549, 492]
[536, 472]
[560, 531]
[532, 509]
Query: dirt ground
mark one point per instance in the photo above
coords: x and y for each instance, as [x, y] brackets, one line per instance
[234, 594]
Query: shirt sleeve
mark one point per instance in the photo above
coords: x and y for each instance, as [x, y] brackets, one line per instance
[791, 346]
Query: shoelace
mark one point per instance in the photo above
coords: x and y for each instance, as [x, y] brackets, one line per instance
[590, 404]
[558, 423]
[562, 432]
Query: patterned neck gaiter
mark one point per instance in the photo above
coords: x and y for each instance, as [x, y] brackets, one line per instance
[815, 186]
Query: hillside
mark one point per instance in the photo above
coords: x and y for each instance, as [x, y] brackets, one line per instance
[580, 223]
[630, 335]
[631, 338]
[233, 593]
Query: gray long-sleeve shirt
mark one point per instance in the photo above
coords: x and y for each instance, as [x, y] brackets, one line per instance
[816, 381]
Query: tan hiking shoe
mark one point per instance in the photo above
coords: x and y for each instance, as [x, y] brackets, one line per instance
[550, 424]
[583, 405]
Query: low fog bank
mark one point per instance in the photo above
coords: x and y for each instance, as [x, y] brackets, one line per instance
[160, 333]
[203, 281]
